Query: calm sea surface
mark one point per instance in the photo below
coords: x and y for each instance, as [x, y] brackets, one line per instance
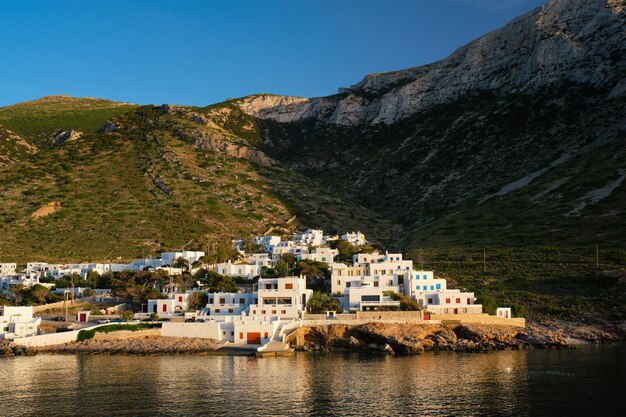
[590, 381]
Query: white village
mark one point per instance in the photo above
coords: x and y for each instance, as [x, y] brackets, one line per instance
[261, 314]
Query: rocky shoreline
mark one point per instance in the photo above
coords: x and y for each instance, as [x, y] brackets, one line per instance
[387, 338]
[410, 338]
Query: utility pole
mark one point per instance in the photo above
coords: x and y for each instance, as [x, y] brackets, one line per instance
[484, 260]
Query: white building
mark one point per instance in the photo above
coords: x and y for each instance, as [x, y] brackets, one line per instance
[18, 322]
[450, 302]
[320, 254]
[7, 269]
[169, 258]
[503, 312]
[281, 297]
[266, 242]
[228, 304]
[260, 259]
[417, 283]
[355, 238]
[310, 237]
[174, 303]
[238, 269]
[24, 278]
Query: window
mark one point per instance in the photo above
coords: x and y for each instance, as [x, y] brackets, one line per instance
[268, 286]
[265, 335]
[397, 258]
[456, 311]
[217, 310]
[425, 277]
[283, 312]
[180, 299]
[370, 298]
[375, 283]
[210, 301]
[438, 286]
[425, 287]
[242, 301]
[447, 301]
[273, 311]
[289, 286]
[417, 287]
[262, 311]
[222, 301]
[430, 301]
[339, 281]
[241, 335]
[347, 285]
[432, 288]
[458, 301]
[230, 310]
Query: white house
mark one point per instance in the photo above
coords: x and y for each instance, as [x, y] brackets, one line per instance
[504, 312]
[174, 303]
[260, 259]
[238, 269]
[417, 283]
[7, 269]
[355, 238]
[169, 258]
[23, 278]
[310, 237]
[18, 322]
[228, 304]
[266, 242]
[320, 254]
[281, 297]
[450, 302]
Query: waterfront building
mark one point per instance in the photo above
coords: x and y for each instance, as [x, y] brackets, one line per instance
[18, 322]
[7, 269]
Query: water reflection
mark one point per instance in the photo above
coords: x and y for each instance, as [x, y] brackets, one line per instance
[585, 382]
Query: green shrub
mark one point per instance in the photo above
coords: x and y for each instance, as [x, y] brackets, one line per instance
[89, 334]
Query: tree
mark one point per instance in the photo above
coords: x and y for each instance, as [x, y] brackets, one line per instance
[321, 303]
[154, 316]
[488, 302]
[38, 293]
[127, 315]
[181, 263]
[197, 300]
[89, 293]
[250, 247]
[406, 303]
[281, 268]
[16, 294]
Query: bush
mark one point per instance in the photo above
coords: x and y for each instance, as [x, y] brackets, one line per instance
[89, 334]
[321, 303]
[518, 310]
[406, 303]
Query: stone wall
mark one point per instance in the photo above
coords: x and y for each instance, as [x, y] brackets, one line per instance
[209, 330]
[390, 315]
[479, 319]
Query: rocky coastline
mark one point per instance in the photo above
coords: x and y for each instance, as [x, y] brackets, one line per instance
[410, 338]
[376, 337]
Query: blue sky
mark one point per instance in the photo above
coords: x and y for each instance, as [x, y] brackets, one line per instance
[202, 52]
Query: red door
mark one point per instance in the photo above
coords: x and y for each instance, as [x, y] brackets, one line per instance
[83, 317]
[164, 308]
[254, 338]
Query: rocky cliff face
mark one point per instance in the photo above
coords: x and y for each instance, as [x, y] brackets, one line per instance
[564, 41]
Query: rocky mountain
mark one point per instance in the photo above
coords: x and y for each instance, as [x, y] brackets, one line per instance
[517, 138]
[567, 41]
